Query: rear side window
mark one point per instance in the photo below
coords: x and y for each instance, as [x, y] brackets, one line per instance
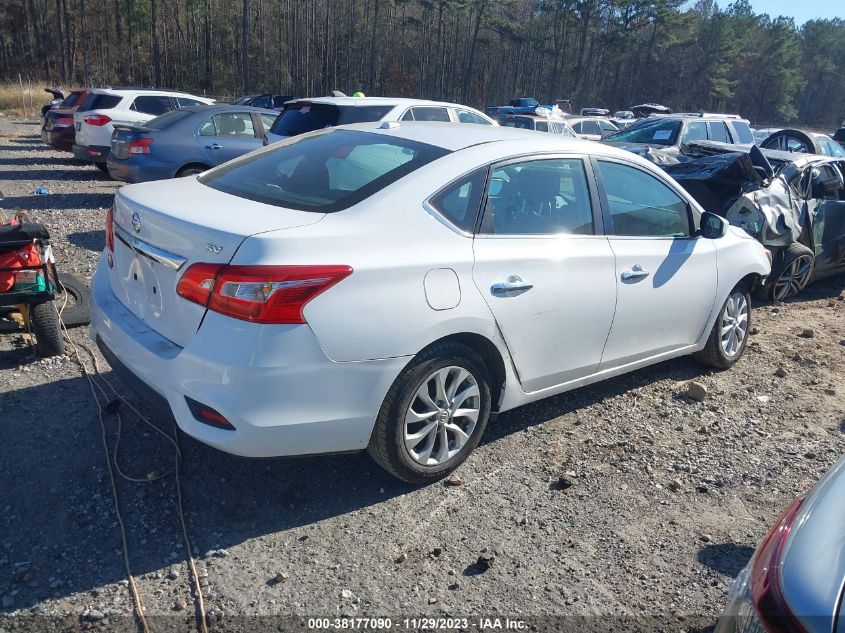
[695, 131]
[307, 117]
[152, 104]
[232, 125]
[459, 201]
[324, 172]
[718, 132]
[542, 126]
[184, 102]
[96, 101]
[464, 116]
[743, 133]
[430, 113]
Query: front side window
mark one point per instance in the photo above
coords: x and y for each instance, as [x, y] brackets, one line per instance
[264, 101]
[607, 126]
[542, 126]
[743, 133]
[267, 120]
[233, 124]
[641, 205]
[465, 116]
[152, 104]
[324, 172]
[430, 113]
[459, 201]
[540, 197]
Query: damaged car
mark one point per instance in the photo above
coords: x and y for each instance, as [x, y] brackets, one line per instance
[794, 204]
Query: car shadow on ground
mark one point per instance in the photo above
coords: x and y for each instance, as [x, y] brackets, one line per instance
[37, 175]
[65, 161]
[90, 240]
[827, 288]
[60, 520]
[58, 201]
[725, 558]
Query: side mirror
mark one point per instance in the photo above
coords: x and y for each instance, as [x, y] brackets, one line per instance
[713, 226]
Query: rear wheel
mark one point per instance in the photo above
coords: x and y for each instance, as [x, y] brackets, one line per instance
[103, 167]
[45, 326]
[794, 272]
[433, 415]
[191, 170]
[729, 335]
[791, 141]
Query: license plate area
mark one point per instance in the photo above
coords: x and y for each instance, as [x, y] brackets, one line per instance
[77, 125]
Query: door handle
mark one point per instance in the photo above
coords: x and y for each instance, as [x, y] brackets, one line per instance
[214, 146]
[635, 273]
[513, 285]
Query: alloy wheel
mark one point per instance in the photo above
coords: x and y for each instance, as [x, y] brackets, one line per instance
[442, 416]
[794, 277]
[734, 324]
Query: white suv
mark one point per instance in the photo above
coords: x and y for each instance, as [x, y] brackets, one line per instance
[103, 108]
[307, 115]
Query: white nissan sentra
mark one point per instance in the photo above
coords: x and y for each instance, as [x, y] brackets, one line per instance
[386, 286]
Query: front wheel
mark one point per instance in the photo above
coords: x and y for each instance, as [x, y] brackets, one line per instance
[729, 335]
[794, 272]
[433, 415]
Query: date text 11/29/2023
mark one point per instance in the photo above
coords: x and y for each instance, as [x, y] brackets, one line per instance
[417, 624]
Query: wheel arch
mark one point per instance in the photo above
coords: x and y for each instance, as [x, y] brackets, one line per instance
[489, 353]
[191, 165]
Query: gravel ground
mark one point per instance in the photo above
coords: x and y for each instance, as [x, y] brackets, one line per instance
[661, 503]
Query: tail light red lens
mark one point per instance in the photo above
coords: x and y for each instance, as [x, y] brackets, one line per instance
[96, 119]
[261, 294]
[140, 146]
[766, 590]
[63, 122]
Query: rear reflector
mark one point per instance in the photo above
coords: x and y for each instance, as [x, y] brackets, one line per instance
[207, 415]
[110, 234]
[261, 294]
[766, 590]
[96, 119]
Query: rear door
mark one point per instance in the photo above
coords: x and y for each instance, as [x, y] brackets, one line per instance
[227, 135]
[665, 275]
[543, 269]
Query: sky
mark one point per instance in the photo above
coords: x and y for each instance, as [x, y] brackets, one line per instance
[801, 10]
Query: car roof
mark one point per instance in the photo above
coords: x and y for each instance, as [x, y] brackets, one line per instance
[225, 107]
[375, 101]
[455, 137]
[152, 91]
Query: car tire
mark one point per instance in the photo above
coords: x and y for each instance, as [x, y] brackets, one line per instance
[729, 336]
[793, 274]
[79, 313]
[777, 140]
[103, 167]
[45, 326]
[457, 369]
[191, 170]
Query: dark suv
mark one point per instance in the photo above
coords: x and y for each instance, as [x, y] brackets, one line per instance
[57, 130]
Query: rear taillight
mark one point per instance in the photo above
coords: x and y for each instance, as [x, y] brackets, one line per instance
[96, 119]
[262, 294]
[140, 146]
[63, 122]
[110, 235]
[766, 590]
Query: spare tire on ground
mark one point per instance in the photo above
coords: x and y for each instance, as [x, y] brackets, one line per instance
[73, 299]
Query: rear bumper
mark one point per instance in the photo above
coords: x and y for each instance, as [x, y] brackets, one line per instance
[60, 138]
[138, 169]
[91, 153]
[273, 383]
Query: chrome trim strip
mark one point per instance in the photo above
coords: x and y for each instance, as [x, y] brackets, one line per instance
[170, 260]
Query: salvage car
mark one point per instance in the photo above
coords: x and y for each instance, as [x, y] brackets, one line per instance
[187, 141]
[386, 286]
[537, 123]
[592, 128]
[793, 203]
[794, 580]
[790, 140]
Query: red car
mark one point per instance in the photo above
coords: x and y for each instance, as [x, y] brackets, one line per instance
[57, 130]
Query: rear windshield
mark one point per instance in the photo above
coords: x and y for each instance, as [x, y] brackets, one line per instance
[657, 132]
[322, 172]
[518, 122]
[307, 117]
[71, 100]
[96, 101]
[167, 119]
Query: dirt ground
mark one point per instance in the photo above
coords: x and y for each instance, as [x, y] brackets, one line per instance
[668, 498]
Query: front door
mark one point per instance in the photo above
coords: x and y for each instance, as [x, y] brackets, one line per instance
[227, 135]
[545, 272]
[665, 274]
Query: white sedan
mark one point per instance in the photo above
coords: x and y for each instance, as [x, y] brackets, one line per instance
[386, 286]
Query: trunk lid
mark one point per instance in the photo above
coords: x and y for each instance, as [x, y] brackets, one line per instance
[161, 228]
[122, 136]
